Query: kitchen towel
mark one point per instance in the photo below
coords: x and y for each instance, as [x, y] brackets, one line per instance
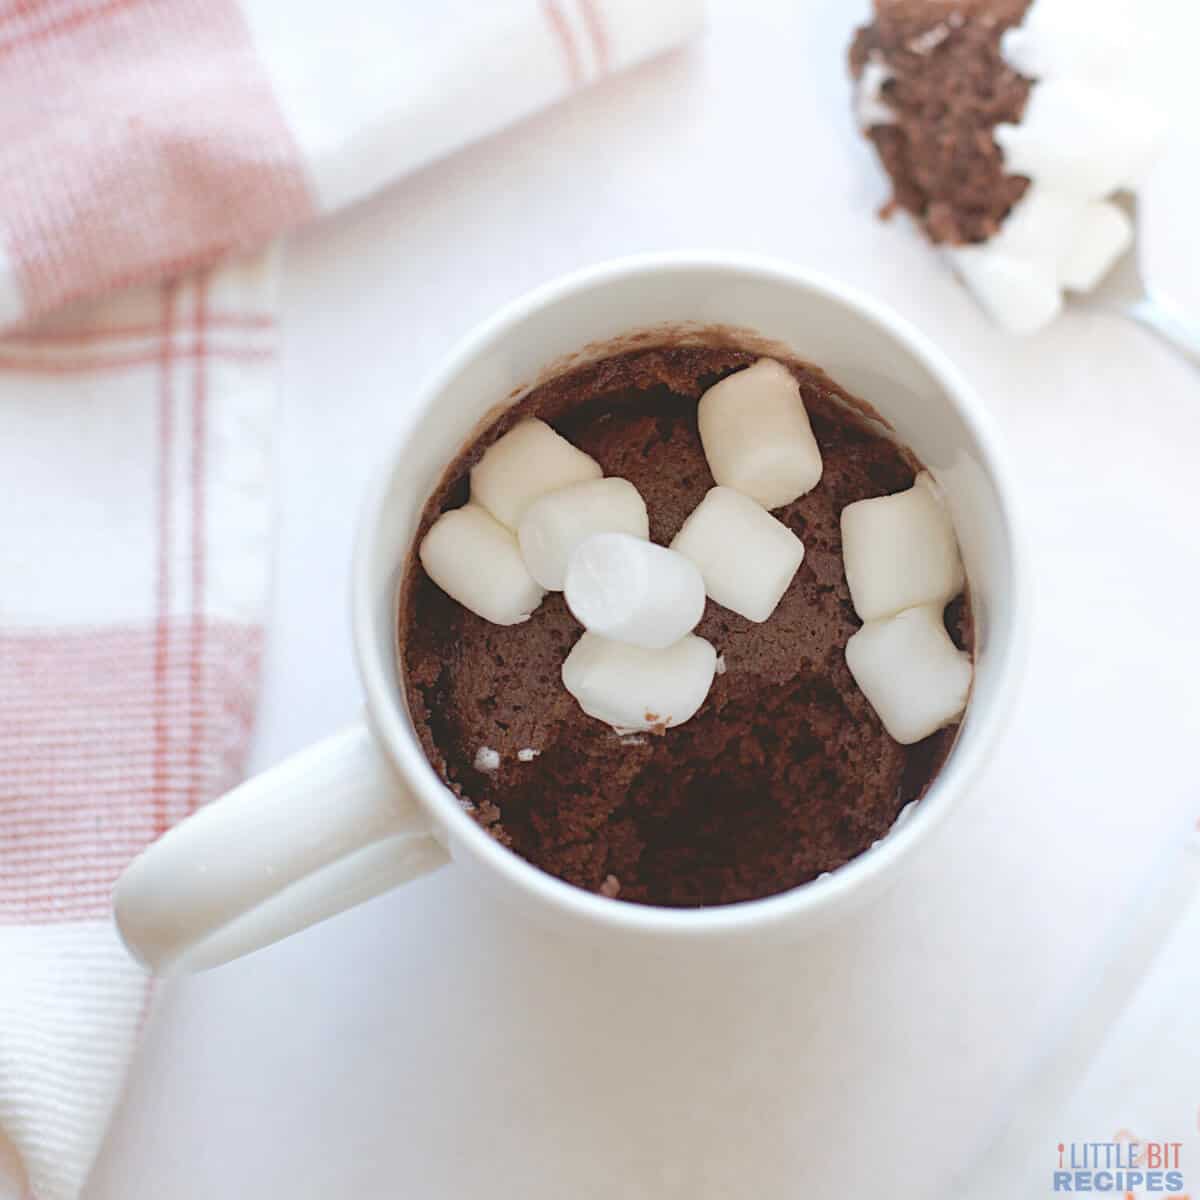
[139, 138]
[134, 567]
[140, 141]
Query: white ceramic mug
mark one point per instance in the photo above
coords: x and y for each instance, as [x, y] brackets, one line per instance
[364, 811]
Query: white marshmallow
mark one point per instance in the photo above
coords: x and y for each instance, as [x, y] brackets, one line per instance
[554, 524]
[630, 590]
[1038, 225]
[1048, 242]
[1071, 38]
[900, 551]
[1020, 295]
[632, 688]
[1014, 275]
[1080, 139]
[528, 461]
[746, 556]
[911, 673]
[757, 436]
[1102, 234]
[475, 560]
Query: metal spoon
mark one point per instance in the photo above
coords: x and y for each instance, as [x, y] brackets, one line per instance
[1125, 292]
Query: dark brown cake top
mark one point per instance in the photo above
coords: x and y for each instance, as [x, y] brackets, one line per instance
[949, 88]
[785, 772]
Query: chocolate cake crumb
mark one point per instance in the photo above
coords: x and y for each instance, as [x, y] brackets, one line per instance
[949, 88]
[783, 774]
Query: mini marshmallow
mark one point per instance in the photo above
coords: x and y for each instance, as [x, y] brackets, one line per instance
[757, 436]
[629, 590]
[746, 556]
[1021, 295]
[1071, 39]
[1049, 241]
[1014, 274]
[554, 524]
[1081, 139]
[900, 551]
[476, 561]
[632, 688]
[1038, 225]
[528, 461]
[911, 673]
[1102, 234]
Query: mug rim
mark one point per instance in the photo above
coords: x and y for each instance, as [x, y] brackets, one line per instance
[391, 725]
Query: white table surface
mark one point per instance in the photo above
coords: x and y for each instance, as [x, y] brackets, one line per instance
[426, 1045]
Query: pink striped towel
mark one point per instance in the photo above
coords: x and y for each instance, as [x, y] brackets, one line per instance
[139, 141]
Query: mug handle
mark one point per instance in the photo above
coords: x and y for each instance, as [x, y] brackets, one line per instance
[328, 828]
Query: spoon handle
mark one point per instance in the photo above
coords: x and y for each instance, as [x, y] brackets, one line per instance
[1177, 330]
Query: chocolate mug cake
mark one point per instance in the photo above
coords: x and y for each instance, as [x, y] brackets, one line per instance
[571, 740]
